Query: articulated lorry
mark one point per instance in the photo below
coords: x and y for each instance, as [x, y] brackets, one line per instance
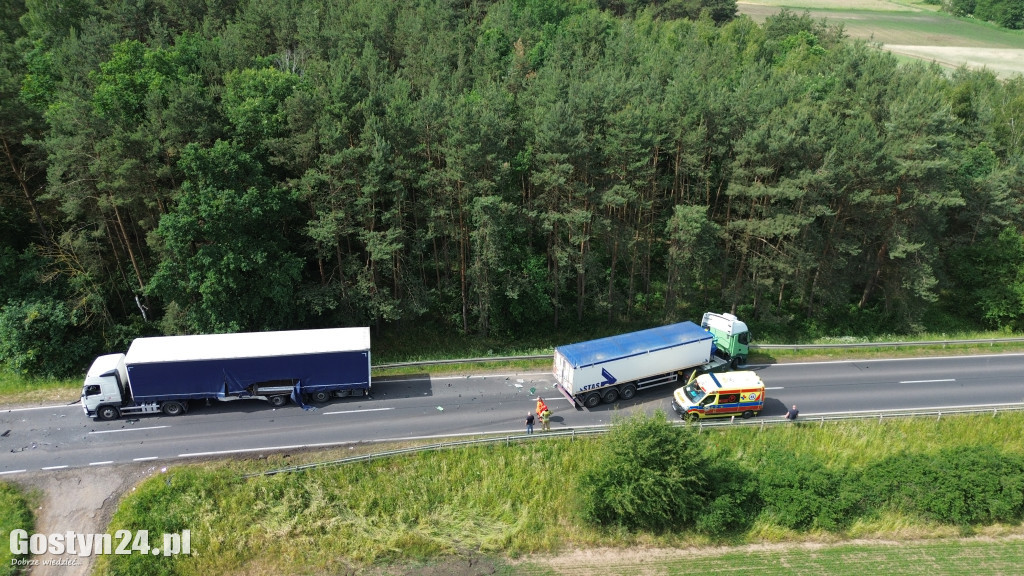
[608, 369]
[163, 374]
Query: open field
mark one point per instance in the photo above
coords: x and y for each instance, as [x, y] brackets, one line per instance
[913, 30]
[506, 510]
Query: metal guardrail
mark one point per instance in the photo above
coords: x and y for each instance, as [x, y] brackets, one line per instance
[989, 341]
[821, 419]
[462, 361]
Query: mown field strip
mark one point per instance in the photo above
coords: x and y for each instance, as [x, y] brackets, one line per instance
[983, 555]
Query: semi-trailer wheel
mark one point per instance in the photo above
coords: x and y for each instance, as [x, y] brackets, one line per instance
[278, 401]
[107, 413]
[321, 396]
[610, 396]
[748, 414]
[734, 363]
[591, 400]
[627, 392]
[173, 408]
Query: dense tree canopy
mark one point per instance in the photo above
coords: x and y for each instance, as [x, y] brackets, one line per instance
[493, 167]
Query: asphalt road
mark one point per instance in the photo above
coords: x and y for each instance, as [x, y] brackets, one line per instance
[424, 407]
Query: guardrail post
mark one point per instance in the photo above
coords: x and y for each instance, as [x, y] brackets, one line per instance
[822, 423]
[879, 418]
[994, 411]
[939, 417]
[762, 425]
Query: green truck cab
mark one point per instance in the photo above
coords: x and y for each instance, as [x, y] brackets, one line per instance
[732, 337]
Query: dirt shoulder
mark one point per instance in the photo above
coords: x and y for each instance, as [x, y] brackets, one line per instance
[80, 500]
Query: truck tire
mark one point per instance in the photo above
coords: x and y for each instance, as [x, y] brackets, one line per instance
[748, 414]
[734, 363]
[173, 408]
[627, 392]
[278, 400]
[321, 396]
[107, 413]
[591, 400]
[610, 396]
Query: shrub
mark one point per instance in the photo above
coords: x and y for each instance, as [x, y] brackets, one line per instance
[646, 474]
[734, 503]
[44, 337]
[963, 486]
[799, 492]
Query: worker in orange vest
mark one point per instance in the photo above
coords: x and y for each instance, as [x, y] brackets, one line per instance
[541, 406]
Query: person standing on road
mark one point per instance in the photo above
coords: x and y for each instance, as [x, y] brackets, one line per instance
[529, 422]
[545, 419]
[792, 413]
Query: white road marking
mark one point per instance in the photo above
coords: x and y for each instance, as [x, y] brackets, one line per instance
[12, 472]
[927, 381]
[54, 467]
[773, 387]
[144, 459]
[357, 411]
[127, 430]
[75, 405]
[267, 449]
[872, 360]
[101, 463]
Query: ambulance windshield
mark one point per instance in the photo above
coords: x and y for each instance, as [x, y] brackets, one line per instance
[693, 392]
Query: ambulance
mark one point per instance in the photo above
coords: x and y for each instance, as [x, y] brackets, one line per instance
[713, 395]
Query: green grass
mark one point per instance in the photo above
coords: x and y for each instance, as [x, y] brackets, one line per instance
[517, 501]
[17, 389]
[912, 31]
[15, 513]
[873, 20]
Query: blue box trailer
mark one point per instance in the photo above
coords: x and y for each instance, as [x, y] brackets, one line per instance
[163, 374]
[608, 369]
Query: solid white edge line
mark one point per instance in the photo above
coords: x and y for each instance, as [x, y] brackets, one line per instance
[54, 467]
[127, 429]
[266, 448]
[75, 405]
[144, 459]
[12, 472]
[869, 360]
[927, 381]
[101, 463]
[357, 411]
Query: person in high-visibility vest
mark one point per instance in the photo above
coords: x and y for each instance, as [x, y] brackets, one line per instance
[545, 419]
[541, 406]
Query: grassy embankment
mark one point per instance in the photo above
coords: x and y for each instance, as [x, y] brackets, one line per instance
[15, 513]
[507, 501]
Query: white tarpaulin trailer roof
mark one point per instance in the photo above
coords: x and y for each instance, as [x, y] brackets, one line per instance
[247, 345]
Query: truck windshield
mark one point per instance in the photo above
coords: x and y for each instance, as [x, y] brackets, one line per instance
[693, 392]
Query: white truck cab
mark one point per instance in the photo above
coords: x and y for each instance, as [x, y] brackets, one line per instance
[105, 385]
